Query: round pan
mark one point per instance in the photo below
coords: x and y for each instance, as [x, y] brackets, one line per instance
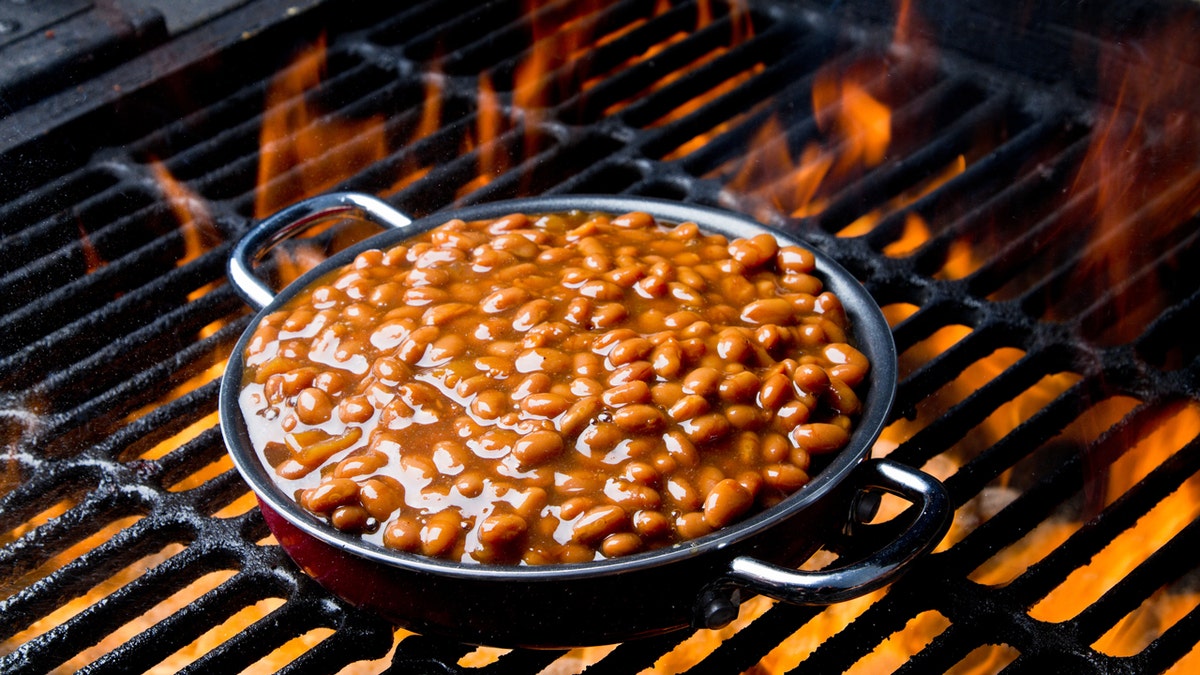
[698, 583]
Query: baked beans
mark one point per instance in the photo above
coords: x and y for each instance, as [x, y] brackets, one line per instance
[552, 388]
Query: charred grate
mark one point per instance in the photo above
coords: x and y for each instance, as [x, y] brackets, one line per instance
[1060, 404]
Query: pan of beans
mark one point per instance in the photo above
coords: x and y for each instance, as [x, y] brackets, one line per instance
[569, 420]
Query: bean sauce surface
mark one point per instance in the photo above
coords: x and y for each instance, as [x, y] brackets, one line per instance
[552, 388]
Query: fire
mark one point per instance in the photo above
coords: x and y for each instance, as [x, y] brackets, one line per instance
[1135, 152]
[196, 225]
[92, 260]
[491, 158]
[856, 129]
[303, 151]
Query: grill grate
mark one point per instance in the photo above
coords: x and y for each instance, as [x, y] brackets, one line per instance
[1061, 407]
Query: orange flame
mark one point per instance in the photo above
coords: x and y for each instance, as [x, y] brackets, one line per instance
[92, 260]
[1134, 153]
[302, 151]
[195, 222]
[858, 130]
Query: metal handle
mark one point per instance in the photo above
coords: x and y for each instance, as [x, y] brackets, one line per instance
[286, 223]
[718, 604]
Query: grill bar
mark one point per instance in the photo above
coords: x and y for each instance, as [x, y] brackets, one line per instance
[116, 329]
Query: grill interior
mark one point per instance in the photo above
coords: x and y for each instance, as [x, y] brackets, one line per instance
[1036, 253]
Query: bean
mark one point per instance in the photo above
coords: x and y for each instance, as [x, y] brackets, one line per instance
[785, 477]
[470, 484]
[664, 394]
[424, 296]
[608, 315]
[688, 407]
[819, 438]
[330, 494]
[683, 494]
[627, 351]
[545, 404]
[413, 348]
[635, 391]
[732, 345]
[598, 522]
[692, 279]
[811, 379]
[667, 359]
[692, 525]
[742, 416]
[641, 472]
[533, 383]
[639, 418]
[538, 448]
[767, 311]
[651, 524]
[801, 283]
[739, 387]
[503, 300]
[599, 289]
[795, 259]
[531, 314]
[792, 413]
[332, 383]
[849, 364]
[600, 437]
[513, 221]
[403, 534]
[707, 428]
[441, 532]
[726, 502]
[381, 497]
[313, 406]
[502, 529]
[638, 370]
[577, 417]
[357, 465]
[586, 386]
[681, 319]
[620, 544]
[680, 448]
[800, 458]
[635, 220]
[626, 275]
[702, 381]
[775, 390]
[842, 397]
[576, 553]
[489, 404]
[516, 245]
[324, 445]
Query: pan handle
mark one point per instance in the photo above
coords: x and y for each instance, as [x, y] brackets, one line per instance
[718, 603]
[286, 223]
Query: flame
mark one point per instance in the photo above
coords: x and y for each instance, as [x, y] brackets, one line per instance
[491, 157]
[304, 152]
[1134, 153]
[857, 130]
[741, 30]
[191, 212]
[916, 229]
[92, 260]
[428, 124]
[857, 119]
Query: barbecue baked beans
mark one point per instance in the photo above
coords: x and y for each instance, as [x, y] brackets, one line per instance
[552, 388]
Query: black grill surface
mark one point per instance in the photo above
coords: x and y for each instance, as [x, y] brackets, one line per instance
[1049, 373]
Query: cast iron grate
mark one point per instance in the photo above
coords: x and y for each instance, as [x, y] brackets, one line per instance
[129, 542]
